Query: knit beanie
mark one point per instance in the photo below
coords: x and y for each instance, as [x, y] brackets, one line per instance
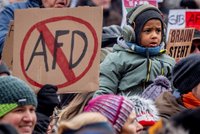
[14, 93]
[186, 73]
[116, 108]
[142, 19]
[159, 85]
[145, 109]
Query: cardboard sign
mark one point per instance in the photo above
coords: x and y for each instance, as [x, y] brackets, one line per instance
[179, 43]
[59, 47]
[7, 55]
[183, 18]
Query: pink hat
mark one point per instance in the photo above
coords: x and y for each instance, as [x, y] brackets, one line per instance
[115, 108]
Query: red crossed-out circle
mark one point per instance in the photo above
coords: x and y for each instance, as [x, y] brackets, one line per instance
[61, 60]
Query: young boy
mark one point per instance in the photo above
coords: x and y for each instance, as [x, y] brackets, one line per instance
[137, 58]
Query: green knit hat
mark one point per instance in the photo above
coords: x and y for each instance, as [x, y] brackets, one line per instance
[14, 93]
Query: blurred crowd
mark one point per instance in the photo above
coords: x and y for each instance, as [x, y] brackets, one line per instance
[142, 90]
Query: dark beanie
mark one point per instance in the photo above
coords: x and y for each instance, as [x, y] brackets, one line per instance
[142, 19]
[186, 73]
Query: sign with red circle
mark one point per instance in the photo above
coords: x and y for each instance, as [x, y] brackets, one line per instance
[61, 50]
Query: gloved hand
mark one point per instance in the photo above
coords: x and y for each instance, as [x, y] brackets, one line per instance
[47, 99]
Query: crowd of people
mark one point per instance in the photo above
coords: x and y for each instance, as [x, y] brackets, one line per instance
[142, 90]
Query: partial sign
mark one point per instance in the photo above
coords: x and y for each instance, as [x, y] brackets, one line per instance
[127, 5]
[59, 47]
[179, 43]
[193, 19]
[183, 18]
[133, 3]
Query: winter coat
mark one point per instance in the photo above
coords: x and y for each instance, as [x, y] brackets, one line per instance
[7, 14]
[125, 72]
[168, 105]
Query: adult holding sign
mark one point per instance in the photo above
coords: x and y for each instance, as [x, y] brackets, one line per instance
[8, 13]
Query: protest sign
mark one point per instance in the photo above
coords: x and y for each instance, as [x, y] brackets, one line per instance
[59, 47]
[179, 43]
[183, 18]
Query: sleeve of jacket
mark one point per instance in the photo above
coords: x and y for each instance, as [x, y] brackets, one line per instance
[109, 76]
[6, 16]
[41, 124]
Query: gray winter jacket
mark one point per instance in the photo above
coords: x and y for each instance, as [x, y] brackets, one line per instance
[125, 72]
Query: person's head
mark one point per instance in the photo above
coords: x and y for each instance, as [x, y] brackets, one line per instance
[186, 75]
[85, 123]
[17, 104]
[118, 109]
[145, 26]
[195, 48]
[55, 3]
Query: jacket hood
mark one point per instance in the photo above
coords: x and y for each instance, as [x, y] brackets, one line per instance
[121, 45]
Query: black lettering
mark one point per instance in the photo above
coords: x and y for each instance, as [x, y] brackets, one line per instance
[186, 50]
[172, 40]
[42, 53]
[57, 45]
[171, 51]
[177, 35]
[83, 36]
[175, 51]
[182, 53]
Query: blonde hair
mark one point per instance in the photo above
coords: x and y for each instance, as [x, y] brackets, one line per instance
[81, 120]
[75, 107]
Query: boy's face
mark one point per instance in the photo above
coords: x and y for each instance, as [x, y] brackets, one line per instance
[22, 118]
[55, 3]
[151, 34]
